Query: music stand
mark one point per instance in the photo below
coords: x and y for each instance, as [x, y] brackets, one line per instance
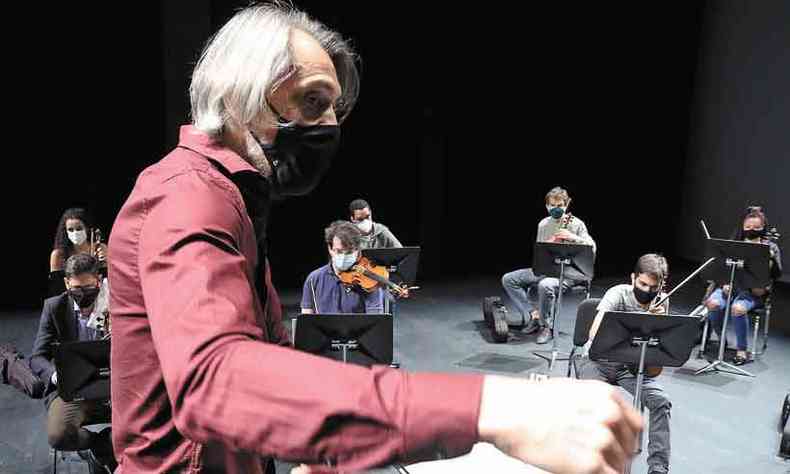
[401, 263]
[551, 259]
[752, 261]
[644, 339]
[83, 370]
[56, 284]
[363, 339]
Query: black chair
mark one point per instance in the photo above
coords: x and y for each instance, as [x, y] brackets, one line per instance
[756, 316]
[585, 315]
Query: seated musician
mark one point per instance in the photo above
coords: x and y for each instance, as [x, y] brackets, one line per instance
[324, 292]
[557, 227]
[72, 236]
[752, 228]
[375, 235]
[65, 318]
[646, 282]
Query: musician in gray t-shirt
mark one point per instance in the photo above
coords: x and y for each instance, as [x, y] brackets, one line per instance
[559, 226]
[645, 289]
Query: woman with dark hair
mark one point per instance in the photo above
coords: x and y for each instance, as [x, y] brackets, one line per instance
[752, 229]
[72, 237]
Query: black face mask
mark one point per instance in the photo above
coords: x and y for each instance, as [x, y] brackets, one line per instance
[84, 297]
[300, 157]
[752, 234]
[644, 297]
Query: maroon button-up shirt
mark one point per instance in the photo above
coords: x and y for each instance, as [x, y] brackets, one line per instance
[199, 380]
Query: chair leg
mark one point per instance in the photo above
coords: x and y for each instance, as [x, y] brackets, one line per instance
[54, 461]
[765, 328]
[571, 360]
[755, 351]
[701, 353]
[641, 435]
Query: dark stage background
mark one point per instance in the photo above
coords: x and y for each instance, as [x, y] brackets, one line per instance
[467, 116]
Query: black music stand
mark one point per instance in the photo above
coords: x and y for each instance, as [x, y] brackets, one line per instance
[83, 370]
[644, 339]
[752, 261]
[401, 262]
[551, 259]
[56, 285]
[364, 339]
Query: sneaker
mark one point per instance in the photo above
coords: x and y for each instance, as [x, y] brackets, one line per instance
[532, 326]
[545, 335]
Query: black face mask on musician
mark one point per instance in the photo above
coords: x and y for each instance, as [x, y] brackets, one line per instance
[753, 234]
[84, 297]
[300, 157]
[644, 297]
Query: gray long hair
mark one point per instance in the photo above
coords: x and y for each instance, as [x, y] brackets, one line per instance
[250, 55]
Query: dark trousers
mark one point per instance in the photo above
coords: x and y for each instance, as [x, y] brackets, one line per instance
[65, 421]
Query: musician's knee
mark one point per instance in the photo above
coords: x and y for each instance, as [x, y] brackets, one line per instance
[513, 279]
[712, 305]
[62, 437]
[657, 401]
[548, 285]
[739, 310]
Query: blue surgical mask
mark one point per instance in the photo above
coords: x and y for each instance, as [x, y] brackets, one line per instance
[344, 261]
[555, 212]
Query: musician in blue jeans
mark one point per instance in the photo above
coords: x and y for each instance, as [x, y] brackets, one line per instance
[744, 300]
[553, 228]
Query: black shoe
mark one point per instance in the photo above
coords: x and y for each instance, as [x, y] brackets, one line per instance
[532, 326]
[740, 360]
[101, 450]
[545, 335]
[94, 465]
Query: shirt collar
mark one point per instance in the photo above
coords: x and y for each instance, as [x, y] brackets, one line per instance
[201, 143]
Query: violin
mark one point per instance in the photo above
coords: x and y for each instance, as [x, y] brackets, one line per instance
[368, 276]
[565, 221]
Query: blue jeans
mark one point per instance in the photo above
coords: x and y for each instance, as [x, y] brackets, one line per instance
[743, 298]
[517, 285]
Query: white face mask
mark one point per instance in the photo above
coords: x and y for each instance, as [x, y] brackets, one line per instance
[365, 225]
[344, 261]
[77, 237]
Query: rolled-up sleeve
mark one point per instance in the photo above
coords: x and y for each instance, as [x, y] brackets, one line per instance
[225, 384]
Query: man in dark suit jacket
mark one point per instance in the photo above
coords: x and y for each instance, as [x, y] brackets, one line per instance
[65, 319]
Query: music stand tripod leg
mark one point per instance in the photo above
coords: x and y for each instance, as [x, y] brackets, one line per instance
[554, 354]
[723, 339]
